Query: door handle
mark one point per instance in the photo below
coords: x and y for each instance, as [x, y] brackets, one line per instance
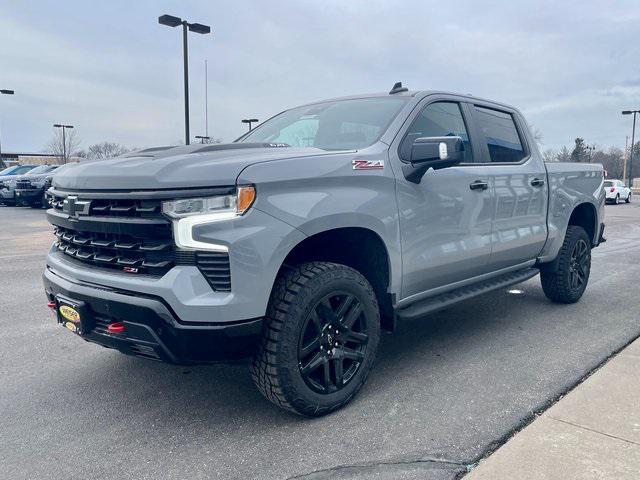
[537, 182]
[479, 185]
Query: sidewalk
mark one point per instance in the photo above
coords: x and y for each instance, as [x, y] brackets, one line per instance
[592, 433]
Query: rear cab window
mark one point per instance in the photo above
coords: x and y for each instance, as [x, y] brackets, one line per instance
[498, 129]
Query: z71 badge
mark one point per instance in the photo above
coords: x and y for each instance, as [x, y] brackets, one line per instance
[368, 164]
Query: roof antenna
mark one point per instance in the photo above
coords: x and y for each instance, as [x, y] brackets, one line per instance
[398, 88]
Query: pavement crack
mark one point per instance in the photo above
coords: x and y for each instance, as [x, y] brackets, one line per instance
[582, 427]
[428, 460]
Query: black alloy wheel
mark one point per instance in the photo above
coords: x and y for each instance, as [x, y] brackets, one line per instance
[319, 339]
[332, 343]
[565, 279]
[579, 265]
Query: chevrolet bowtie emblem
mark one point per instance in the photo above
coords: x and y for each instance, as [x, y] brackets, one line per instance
[74, 207]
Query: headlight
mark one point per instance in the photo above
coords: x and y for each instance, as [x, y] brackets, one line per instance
[190, 212]
[224, 206]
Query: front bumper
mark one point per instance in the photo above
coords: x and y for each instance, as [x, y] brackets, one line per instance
[152, 329]
[28, 195]
[7, 194]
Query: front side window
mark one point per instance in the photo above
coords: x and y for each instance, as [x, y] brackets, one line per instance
[442, 119]
[340, 125]
[501, 135]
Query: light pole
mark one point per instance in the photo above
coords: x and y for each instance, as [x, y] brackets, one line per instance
[5, 92]
[591, 149]
[202, 138]
[250, 121]
[633, 138]
[64, 140]
[171, 21]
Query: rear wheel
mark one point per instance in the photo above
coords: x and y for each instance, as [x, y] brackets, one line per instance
[320, 338]
[565, 279]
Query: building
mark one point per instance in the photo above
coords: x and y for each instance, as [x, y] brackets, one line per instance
[11, 158]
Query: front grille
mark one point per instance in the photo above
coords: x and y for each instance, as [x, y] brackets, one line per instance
[23, 184]
[135, 254]
[116, 208]
[128, 235]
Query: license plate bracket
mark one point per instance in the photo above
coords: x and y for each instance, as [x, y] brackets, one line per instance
[73, 315]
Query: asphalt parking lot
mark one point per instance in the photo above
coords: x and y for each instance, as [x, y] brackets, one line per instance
[446, 389]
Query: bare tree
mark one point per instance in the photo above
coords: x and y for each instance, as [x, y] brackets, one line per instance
[550, 155]
[564, 155]
[103, 150]
[59, 149]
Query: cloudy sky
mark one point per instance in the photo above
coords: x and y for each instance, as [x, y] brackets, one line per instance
[109, 69]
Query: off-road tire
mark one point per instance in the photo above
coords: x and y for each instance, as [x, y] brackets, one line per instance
[556, 276]
[275, 368]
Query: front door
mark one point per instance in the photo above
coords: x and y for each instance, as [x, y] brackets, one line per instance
[445, 222]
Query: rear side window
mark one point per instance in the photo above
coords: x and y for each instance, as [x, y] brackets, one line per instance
[442, 119]
[501, 135]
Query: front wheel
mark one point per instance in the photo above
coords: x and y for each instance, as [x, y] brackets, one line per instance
[565, 279]
[628, 200]
[319, 340]
[617, 200]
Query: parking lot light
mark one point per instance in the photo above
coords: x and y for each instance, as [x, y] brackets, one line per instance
[6, 92]
[171, 21]
[64, 140]
[633, 137]
[250, 121]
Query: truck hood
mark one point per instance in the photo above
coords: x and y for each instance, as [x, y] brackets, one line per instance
[176, 167]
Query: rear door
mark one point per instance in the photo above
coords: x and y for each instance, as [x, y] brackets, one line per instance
[519, 180]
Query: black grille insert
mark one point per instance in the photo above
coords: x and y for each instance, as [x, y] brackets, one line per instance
[216, 269]
[140, 255]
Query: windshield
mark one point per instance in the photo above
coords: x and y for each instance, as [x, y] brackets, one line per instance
[16, 169]
[339, 125]
[608, 183]
[42, 169]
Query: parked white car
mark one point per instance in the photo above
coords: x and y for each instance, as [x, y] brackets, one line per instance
[617, 191]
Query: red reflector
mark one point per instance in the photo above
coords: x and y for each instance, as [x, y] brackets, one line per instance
[51, 304]
[116, 327]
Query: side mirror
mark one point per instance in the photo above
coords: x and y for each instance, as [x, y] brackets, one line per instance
[431, 152]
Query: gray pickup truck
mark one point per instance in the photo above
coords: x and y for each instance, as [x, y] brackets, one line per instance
[302, 240]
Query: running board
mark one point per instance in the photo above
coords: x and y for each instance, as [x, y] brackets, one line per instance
[443, 300]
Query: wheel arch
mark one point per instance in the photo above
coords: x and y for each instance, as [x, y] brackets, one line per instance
[585, 215]
[357, 247]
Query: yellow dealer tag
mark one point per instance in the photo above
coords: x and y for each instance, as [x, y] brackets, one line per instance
[70, 326]
[69, 313]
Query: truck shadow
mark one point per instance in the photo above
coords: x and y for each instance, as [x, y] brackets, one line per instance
[417, 356]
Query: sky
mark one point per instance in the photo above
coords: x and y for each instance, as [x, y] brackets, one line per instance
[113, 72]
